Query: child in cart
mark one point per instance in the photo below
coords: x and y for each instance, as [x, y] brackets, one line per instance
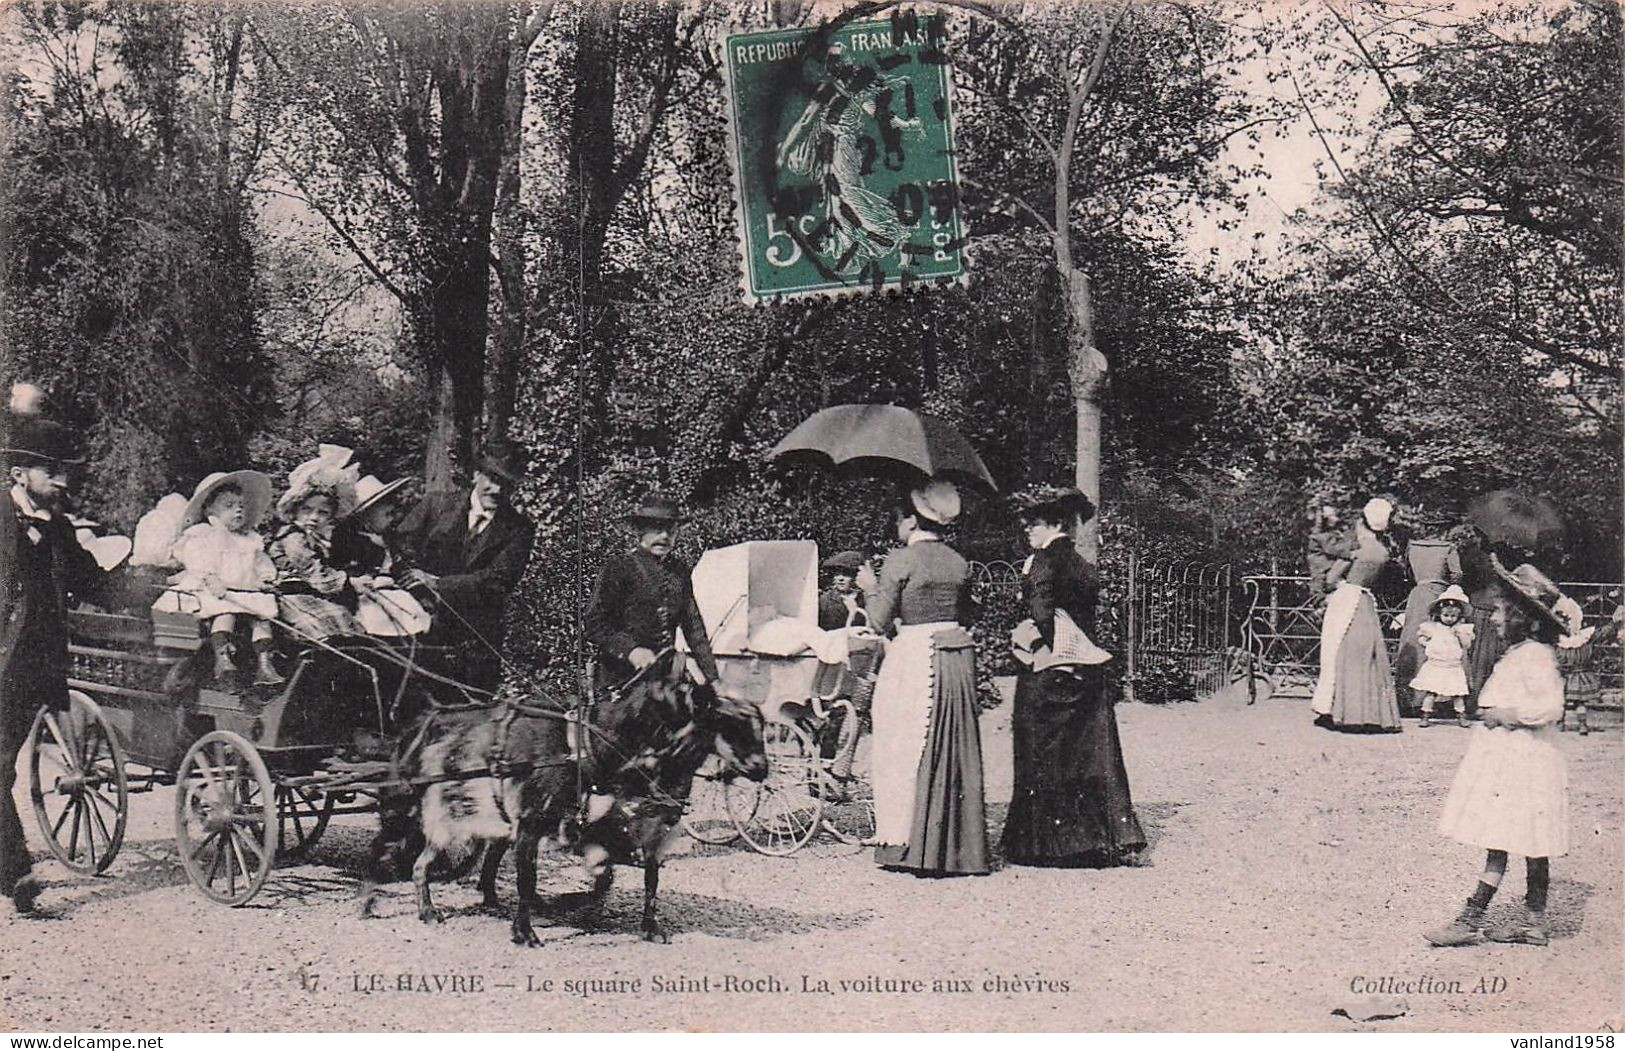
[225, 571]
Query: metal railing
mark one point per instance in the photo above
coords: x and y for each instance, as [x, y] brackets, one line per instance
[1281, 631]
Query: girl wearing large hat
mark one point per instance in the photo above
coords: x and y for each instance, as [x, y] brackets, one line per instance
[1510, 794]
[361, 549]
[927, 757]
[225, 570]
[1071, 804]
[315, 596]
[1355, 689]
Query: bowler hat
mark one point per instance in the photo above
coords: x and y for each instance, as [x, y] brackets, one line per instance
[33, 441]
[501, 461]
[1040, 500]
[844, 562]
[655, 509]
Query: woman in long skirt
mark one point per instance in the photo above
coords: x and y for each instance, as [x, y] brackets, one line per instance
[1071, 804]
[927, 757]
[1355, 690]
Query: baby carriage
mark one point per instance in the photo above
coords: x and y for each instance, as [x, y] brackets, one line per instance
[759, 601]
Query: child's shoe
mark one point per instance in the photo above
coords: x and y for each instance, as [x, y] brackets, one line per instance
[267, 675]
[1466, 929]
[1527, 929]
[224, 666]
[1463, 722]
[1427, 719]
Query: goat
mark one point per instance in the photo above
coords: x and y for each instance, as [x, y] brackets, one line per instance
[645, 743]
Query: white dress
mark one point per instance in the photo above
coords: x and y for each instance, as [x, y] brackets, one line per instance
[1511, 791]
[1444, 650]
[236, 560]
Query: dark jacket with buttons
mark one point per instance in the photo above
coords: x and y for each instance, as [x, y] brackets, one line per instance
[641, 600]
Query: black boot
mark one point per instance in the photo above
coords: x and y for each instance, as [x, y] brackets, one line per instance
[225, 665]
[266, 674]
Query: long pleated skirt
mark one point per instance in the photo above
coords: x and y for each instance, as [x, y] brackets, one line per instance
[1356, 684]
[929, 813]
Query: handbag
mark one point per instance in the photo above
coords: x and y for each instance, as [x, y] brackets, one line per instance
[1073, 646]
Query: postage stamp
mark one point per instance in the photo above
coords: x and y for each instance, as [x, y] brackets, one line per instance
[842, 149]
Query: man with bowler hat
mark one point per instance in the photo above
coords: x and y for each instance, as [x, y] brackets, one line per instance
[643, 596]
[41, 564]
[468, 550]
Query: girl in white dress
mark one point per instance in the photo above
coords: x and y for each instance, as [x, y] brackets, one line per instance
[1444, 640]
[1510, 795]
[225, 571]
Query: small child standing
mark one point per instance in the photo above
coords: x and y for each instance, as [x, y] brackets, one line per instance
[1510, 794]
[225, 571]
[1445, 640]
[1576, 659]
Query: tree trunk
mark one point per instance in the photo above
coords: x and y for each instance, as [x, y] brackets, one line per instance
[1087, 368]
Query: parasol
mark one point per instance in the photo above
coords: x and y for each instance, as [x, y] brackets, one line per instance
[886, 434]
[1507, 516]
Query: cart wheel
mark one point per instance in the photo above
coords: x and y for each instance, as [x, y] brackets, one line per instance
[301, 818]
[77, 781]
[852, 819]
[225, 817]
[781, 814]
[707, 818]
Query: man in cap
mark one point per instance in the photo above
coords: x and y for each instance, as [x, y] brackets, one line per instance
[41, 564]
[643, 596]
[838, 603]
[468, 551]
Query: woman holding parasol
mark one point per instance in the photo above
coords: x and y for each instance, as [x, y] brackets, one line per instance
[929, 816]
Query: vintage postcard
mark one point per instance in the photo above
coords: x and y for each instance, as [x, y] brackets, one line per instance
[806, 516]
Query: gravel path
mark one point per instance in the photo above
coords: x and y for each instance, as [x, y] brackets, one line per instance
[1293, 870]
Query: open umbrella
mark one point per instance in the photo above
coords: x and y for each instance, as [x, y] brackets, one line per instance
[1507, 516]
[884, 435]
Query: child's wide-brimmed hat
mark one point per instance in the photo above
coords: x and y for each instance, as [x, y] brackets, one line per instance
[330, 474]
[255, 487]
[1535, 591]
[1453, 593]
[370, 492]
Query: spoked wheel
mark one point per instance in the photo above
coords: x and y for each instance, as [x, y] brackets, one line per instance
[301, 818]
[849, 814]
[77, 781]
[781, 814]
[225, 817]
[707, 818]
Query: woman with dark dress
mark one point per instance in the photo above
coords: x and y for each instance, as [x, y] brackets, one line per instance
[1478, 579]
[927, 757]
[1071, 804]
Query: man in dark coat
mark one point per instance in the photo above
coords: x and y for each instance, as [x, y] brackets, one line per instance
[41, 564]
[842, 599]
[642, 597]
[467, 551]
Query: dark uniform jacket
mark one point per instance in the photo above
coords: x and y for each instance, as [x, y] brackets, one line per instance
[641, 600]
[832, 611]
[1327, 547]
[476, 573]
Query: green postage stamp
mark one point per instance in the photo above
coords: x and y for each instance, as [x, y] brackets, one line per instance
[842, 148]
